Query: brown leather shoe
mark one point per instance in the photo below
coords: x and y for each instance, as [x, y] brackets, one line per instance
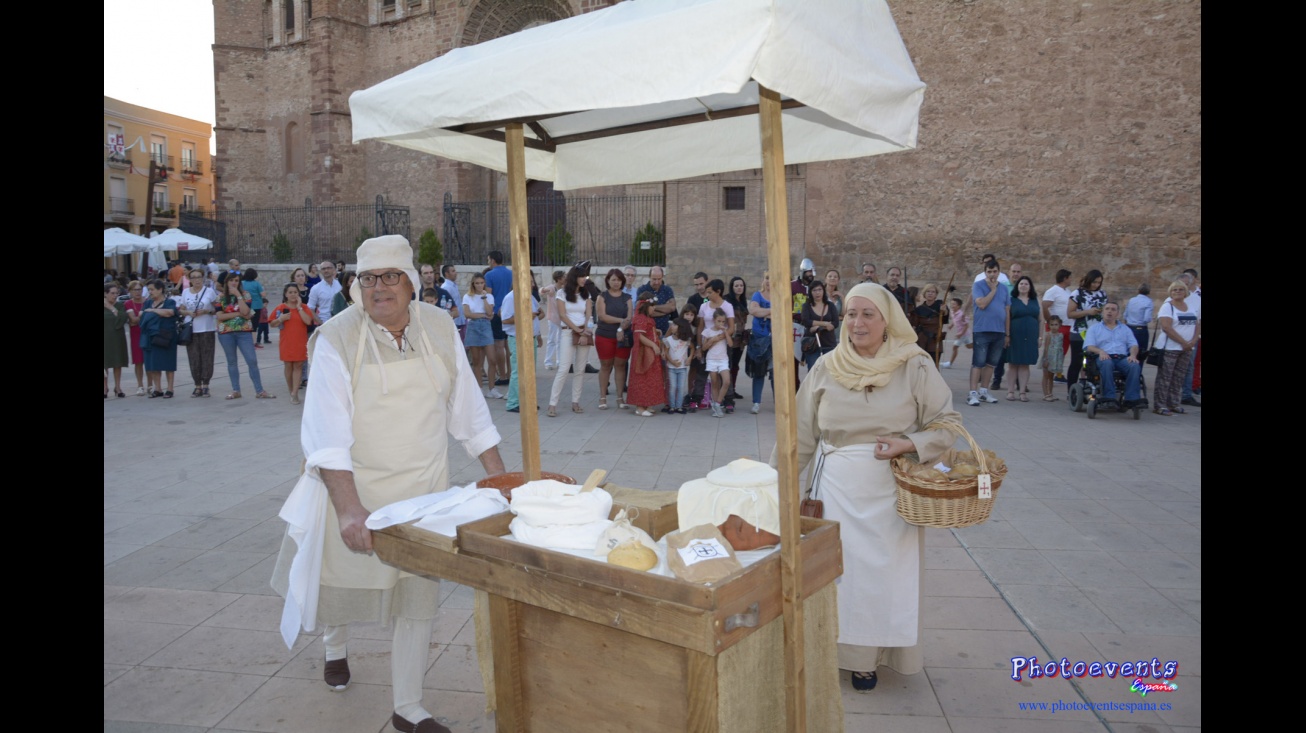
[336, 674]
[427, 725]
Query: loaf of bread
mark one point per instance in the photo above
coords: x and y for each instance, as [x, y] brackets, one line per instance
[633, 555]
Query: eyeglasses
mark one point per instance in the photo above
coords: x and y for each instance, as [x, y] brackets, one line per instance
[368, 280]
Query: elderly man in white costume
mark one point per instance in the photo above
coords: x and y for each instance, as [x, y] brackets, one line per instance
[388, 390]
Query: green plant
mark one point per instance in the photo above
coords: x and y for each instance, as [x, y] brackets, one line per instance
[558, 246]
[363, 235]
[281, 249]
[656, 254]
[429, 250]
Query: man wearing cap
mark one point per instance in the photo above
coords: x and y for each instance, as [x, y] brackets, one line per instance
[386, 395]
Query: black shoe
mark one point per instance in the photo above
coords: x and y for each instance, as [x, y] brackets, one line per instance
[502, 383]
[336, 673]
[736, 396]
[589, 369]
[514, 409]
[427, 725]
[668, 411]
[864, 681]
[1190, 401]
[995, 386]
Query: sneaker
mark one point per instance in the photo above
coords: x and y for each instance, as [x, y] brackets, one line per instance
[973, 400]
[984, 395]
[496, 394]
[1190, 401]
[717, 411]
[258, 346]
[589, 369]
[514, 409]
[668, 411]
[501, 383]
[1060, 378]
[945, 365]
[679, 411]
[550, 367]
[757, 407]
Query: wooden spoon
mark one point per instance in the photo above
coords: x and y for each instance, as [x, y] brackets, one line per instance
[592, 482]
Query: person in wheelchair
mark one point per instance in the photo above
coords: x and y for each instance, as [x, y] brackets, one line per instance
[1116, 349]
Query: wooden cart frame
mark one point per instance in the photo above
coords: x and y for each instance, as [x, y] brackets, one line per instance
[838, 67]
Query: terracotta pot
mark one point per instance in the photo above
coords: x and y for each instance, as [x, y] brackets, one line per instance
[506, 482]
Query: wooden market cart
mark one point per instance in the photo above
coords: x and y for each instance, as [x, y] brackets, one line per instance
[643, 92]
[578, 644]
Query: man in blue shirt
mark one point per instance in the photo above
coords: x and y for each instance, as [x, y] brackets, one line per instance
[1138, 314]
[991, 329]
[499, 278]
[1116, 348]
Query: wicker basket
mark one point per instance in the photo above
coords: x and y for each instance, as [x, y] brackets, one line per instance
[948, 504]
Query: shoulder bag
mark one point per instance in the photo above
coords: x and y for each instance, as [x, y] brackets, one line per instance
[812, 506]
[1156, 356]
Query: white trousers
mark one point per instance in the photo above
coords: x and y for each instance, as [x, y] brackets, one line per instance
[409, 658]
[569, 355]
[551, 344]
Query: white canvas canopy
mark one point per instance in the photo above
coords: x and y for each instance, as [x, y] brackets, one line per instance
[664, 89]
[119, 241]
[607, 94]
[175, 240]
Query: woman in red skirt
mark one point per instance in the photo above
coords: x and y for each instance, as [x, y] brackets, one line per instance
[645, 388]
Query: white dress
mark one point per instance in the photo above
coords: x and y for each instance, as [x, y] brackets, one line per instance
[880, 590]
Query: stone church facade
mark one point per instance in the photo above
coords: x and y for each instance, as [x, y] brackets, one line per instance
[1054, 134]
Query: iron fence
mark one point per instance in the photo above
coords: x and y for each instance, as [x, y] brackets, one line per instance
[304, 234]
[561, 229]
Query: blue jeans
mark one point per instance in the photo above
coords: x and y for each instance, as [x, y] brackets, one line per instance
[810, 357]
[244, 341]
[757, 387]
[986, 349]
[1107, 369]
[513, 400]
[676, 378]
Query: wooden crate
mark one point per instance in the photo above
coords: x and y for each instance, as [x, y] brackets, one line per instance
[581, 645]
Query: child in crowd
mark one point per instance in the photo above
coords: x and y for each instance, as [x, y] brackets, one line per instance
[960, 329]
[680, 344]
[292, 318]
[712, 342]
[690, 403]
[440, 298]
[547, 295]
[1051, 362]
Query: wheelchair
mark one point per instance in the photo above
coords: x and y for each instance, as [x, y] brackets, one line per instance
[1086, 394]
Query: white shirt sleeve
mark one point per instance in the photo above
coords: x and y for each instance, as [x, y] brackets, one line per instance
[470, 422]
[327, 430]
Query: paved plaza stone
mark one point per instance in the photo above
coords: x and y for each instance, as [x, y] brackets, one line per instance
[1093, 553]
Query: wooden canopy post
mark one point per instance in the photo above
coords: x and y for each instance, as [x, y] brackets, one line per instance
[521, 288]
[776, 208]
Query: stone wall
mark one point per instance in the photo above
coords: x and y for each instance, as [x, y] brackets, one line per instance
[1055, 134]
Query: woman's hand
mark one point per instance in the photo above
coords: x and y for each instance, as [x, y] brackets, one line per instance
[886, 448]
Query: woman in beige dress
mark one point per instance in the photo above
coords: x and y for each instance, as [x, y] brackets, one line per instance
[864, 403]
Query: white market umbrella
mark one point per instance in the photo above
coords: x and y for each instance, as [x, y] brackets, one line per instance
[118, 241]
[658, 90]
[175, 240]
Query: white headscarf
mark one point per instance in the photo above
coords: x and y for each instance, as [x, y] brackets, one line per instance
[854, 371]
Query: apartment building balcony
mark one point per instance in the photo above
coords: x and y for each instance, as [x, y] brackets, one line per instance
[121, 209]
[119, 161]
